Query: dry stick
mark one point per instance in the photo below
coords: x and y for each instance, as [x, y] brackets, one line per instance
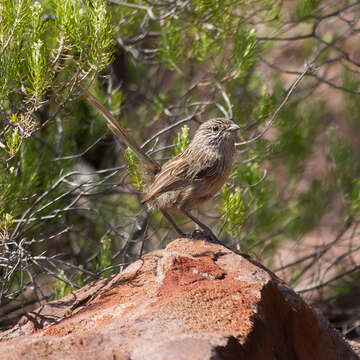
[163, 131]
[320, 252]
[320, 284]
[149, 10]
[317, 77]
[307, 69]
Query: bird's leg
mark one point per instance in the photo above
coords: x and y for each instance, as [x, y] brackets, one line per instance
[143, 237]
[171, 221]
[203, 226]
[197, 227]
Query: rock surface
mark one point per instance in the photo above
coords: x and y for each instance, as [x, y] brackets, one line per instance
[193, 300]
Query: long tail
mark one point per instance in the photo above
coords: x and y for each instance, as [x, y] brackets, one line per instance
[152, 167]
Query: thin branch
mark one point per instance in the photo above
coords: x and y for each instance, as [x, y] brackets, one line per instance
[16, 22]
[321, 284]
[307, 69]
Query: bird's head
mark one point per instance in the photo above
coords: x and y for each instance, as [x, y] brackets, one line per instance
[216, 132]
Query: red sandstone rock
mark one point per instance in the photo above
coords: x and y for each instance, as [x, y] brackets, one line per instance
[193, 300]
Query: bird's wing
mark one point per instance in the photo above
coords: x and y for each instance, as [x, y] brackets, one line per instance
[172, 176]
[181, 171]
[208, 171]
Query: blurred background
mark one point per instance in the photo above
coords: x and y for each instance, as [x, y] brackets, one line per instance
[287, 72]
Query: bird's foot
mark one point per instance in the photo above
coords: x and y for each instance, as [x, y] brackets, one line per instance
[198, 234]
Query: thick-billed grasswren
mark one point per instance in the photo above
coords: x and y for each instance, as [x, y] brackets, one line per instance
[190, 178]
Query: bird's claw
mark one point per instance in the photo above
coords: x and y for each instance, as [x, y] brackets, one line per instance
[198, 234]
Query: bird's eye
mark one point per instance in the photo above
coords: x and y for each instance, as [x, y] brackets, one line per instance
[215, 128]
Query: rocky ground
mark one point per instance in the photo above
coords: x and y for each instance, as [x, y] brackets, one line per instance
[192, 300]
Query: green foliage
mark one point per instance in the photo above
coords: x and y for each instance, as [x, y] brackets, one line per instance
[339, 154]
[349, 81]
[61, 288]
[249, 210]
[37, 56]
[116, 100]
[62, 285]
[6, 222]
[211, 6]
[182, 140]
[345, 285]
[86, 28]
[132, 163]
[203, 43]
[217, 14]
[159, 105]
[252, 176]
[305, 8]
[352, 108]
[245, 51]
[233, 209]
[48, 49]
[308, 208]
[265, 105]
[354, 207]
[172, 44]
[14, 17]
[13, 142]
[275, 12]
[103, 259]
[297, 130]
[29, 175]
[345, 170]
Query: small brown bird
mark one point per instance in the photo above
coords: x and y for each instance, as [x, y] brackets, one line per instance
[192, 177]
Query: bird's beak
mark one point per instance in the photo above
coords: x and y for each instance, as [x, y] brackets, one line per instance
[233, 127]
